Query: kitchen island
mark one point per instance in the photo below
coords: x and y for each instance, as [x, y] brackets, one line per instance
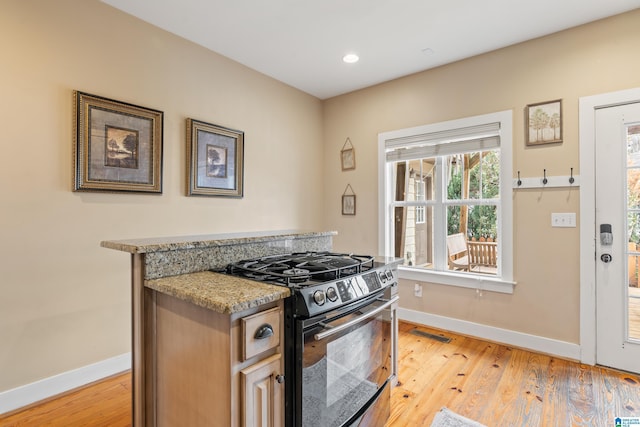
[185, 315]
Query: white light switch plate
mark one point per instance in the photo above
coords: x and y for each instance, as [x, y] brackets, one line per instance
[563, 219]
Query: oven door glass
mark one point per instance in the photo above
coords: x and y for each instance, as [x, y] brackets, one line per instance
[345, 362]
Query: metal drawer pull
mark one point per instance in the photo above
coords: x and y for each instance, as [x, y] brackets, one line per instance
[322, 335]
[264, 331]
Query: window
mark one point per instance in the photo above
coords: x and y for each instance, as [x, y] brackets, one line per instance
[445, 204]
[420, 210]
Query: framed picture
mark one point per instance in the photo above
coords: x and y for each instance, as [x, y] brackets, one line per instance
[215, 157]
[117, 147]
[544, 122]
[348, 159]
[348, 156]
[348, 204]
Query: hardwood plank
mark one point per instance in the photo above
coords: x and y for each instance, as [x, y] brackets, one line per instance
[517, 393]
[615, 394]
[491, 383]
[483, 378]
[103, 404]
[446, 370]
[555, 407]
[514, 387]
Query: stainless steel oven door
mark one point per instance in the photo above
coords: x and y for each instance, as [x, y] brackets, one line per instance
[346, 364]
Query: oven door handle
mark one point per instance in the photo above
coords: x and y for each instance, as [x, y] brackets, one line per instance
[334, 330]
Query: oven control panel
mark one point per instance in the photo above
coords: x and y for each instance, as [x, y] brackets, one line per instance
[327, 296]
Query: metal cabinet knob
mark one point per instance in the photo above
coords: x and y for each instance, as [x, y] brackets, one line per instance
[280, 378]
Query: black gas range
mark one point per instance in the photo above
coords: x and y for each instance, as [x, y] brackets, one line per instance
[340, 339]
[321, 281]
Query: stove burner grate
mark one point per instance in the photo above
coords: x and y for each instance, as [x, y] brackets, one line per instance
[298, 268]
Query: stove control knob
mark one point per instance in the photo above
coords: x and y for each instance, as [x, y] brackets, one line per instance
[383, 277]
[332, 294]
[318, 297]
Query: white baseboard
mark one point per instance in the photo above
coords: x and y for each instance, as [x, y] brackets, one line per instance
[535, 343]
[19, 397]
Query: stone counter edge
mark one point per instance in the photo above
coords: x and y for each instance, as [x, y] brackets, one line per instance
[218, 292]
[165, 244]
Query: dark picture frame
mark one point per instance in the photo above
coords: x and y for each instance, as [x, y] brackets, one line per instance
[544, 123]
[348, 204]
[117, 146]
[215, 160]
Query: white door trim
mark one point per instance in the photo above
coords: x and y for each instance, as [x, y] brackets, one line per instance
[588, 106]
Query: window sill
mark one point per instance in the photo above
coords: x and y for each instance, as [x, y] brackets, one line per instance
[465, 280]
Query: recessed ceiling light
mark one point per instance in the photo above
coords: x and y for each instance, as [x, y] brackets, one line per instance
[428, 51]
[350, 58]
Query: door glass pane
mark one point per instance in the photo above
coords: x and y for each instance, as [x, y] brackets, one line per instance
[634, 291]
[633, 231]
[633, 188]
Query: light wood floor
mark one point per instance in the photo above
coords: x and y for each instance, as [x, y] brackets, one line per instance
[490, 383]
[500, 386]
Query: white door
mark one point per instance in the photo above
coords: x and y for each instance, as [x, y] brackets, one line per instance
[617, 197]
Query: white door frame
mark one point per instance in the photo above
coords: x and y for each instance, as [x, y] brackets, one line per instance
[588, 105]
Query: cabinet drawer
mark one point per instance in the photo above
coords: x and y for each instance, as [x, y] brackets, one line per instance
[260, 332]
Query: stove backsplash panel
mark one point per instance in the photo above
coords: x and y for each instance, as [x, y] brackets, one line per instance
[216, 256]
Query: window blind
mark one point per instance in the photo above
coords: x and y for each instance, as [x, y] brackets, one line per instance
[441, 143]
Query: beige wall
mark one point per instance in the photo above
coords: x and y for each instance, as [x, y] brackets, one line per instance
[588, 60]
[64, 300]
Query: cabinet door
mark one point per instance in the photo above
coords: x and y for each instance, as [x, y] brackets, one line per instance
[262, 394]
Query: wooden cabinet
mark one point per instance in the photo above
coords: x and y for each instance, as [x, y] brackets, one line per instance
[262, 383]
[211, 368]
[262, 392]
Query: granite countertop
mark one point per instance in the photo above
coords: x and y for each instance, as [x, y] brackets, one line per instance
[219, 292]
[164, 244]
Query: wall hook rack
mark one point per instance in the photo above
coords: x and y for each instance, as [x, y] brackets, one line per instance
[546, 181]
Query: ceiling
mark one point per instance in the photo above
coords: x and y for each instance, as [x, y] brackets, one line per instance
[302, 42]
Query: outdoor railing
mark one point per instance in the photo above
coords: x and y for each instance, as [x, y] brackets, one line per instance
[483, 253]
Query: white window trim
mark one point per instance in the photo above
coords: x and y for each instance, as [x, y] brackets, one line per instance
[504, 283]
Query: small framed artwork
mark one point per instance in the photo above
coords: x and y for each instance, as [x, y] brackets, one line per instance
[348, 159]
[117, 147]
[348, 156]
[348, 204]
[544, 123]
[215, 157]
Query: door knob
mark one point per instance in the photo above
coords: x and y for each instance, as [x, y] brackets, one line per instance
[606, 258]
